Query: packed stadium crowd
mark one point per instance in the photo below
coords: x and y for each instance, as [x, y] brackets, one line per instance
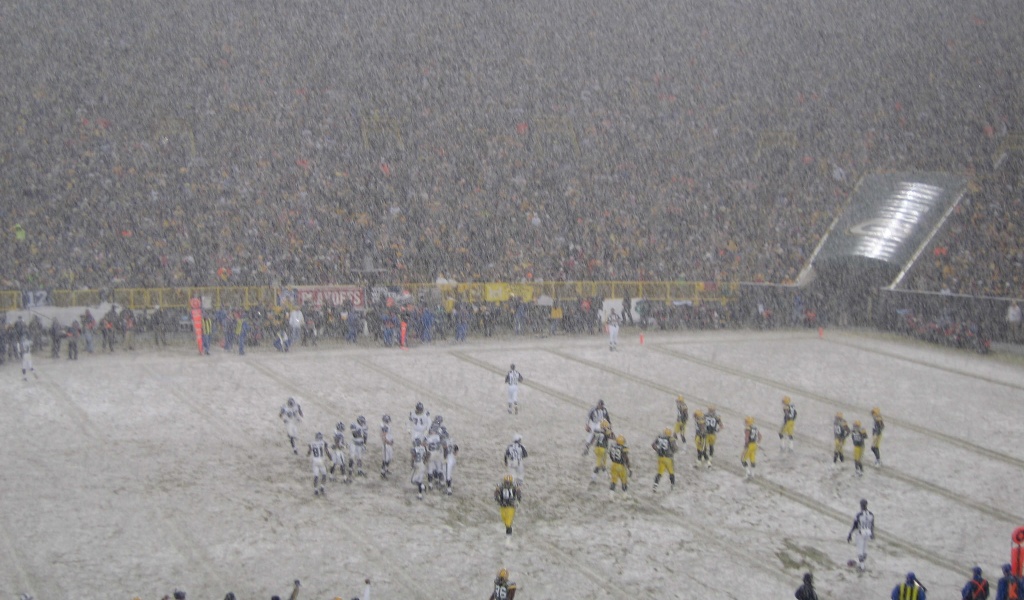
[202, 155]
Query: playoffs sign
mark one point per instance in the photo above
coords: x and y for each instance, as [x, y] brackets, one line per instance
[323, 295]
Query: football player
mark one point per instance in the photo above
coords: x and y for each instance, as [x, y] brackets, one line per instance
[435, 466]
[858, 436]
[682, 416]
[503, 588]
[387, 441]
[840, 431]
[357, 445]
[700, 436]
[508, 496]
[601, 439]
[594, 417]
[318, 451]
[618, 452]
[419, 465]
[338, 454]
[665, 447]
[876, 435]
[419, 421]
[451, 450]
[751, 438]
[788, 424]
[291, 414]
[712, 425]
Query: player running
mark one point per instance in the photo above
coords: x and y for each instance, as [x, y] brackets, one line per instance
[665, 447]
[751, 438]
[788, 424]
[291, 414]
[508, 496]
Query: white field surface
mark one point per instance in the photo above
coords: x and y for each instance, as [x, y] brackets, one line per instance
[135, 473]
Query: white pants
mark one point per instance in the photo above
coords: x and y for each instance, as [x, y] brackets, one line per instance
[513, 395]
[389, 453]
[516, 470]
[319, 470]
[862, 545]
[613, 335]
[449, 467]
[293, 428]
[419, 470]
[355, 453]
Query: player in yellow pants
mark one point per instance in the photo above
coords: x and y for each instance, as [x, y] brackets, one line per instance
[700, 436]
[507, 495]
[751, 438]
[665, 447]
[619, 454]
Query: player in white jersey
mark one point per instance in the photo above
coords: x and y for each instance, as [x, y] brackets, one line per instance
[513, 378]
[318, 452]
[451, 450]
[435, 466]
[25, 347]
[387, 442]
[291, 414]
[613, 322]
[864, 527]
[594, 418]
[357, 445]
[420, 455]
[338, 454]
[419, 421]
[515, 457]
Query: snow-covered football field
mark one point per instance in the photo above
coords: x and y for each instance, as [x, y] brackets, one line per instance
[136, 473]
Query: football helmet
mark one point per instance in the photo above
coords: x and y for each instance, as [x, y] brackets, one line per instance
[839, 415]
[856, 423]
[749, 420]
[512, 366]
[698, 414]
[605, 424]
[361, 420]
[419, 407]
[786, 400]
[875, 412]
[386, 418]
[319, 436]
[517, 438]
[680, 399]
[509, 479]
[711, 409]
[291, 401]
[600, 403]
[340, 426]
[502, 575]
[621, 440]
[667, 432]
[438, 419]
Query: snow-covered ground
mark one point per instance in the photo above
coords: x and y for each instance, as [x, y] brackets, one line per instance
[135, 473]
